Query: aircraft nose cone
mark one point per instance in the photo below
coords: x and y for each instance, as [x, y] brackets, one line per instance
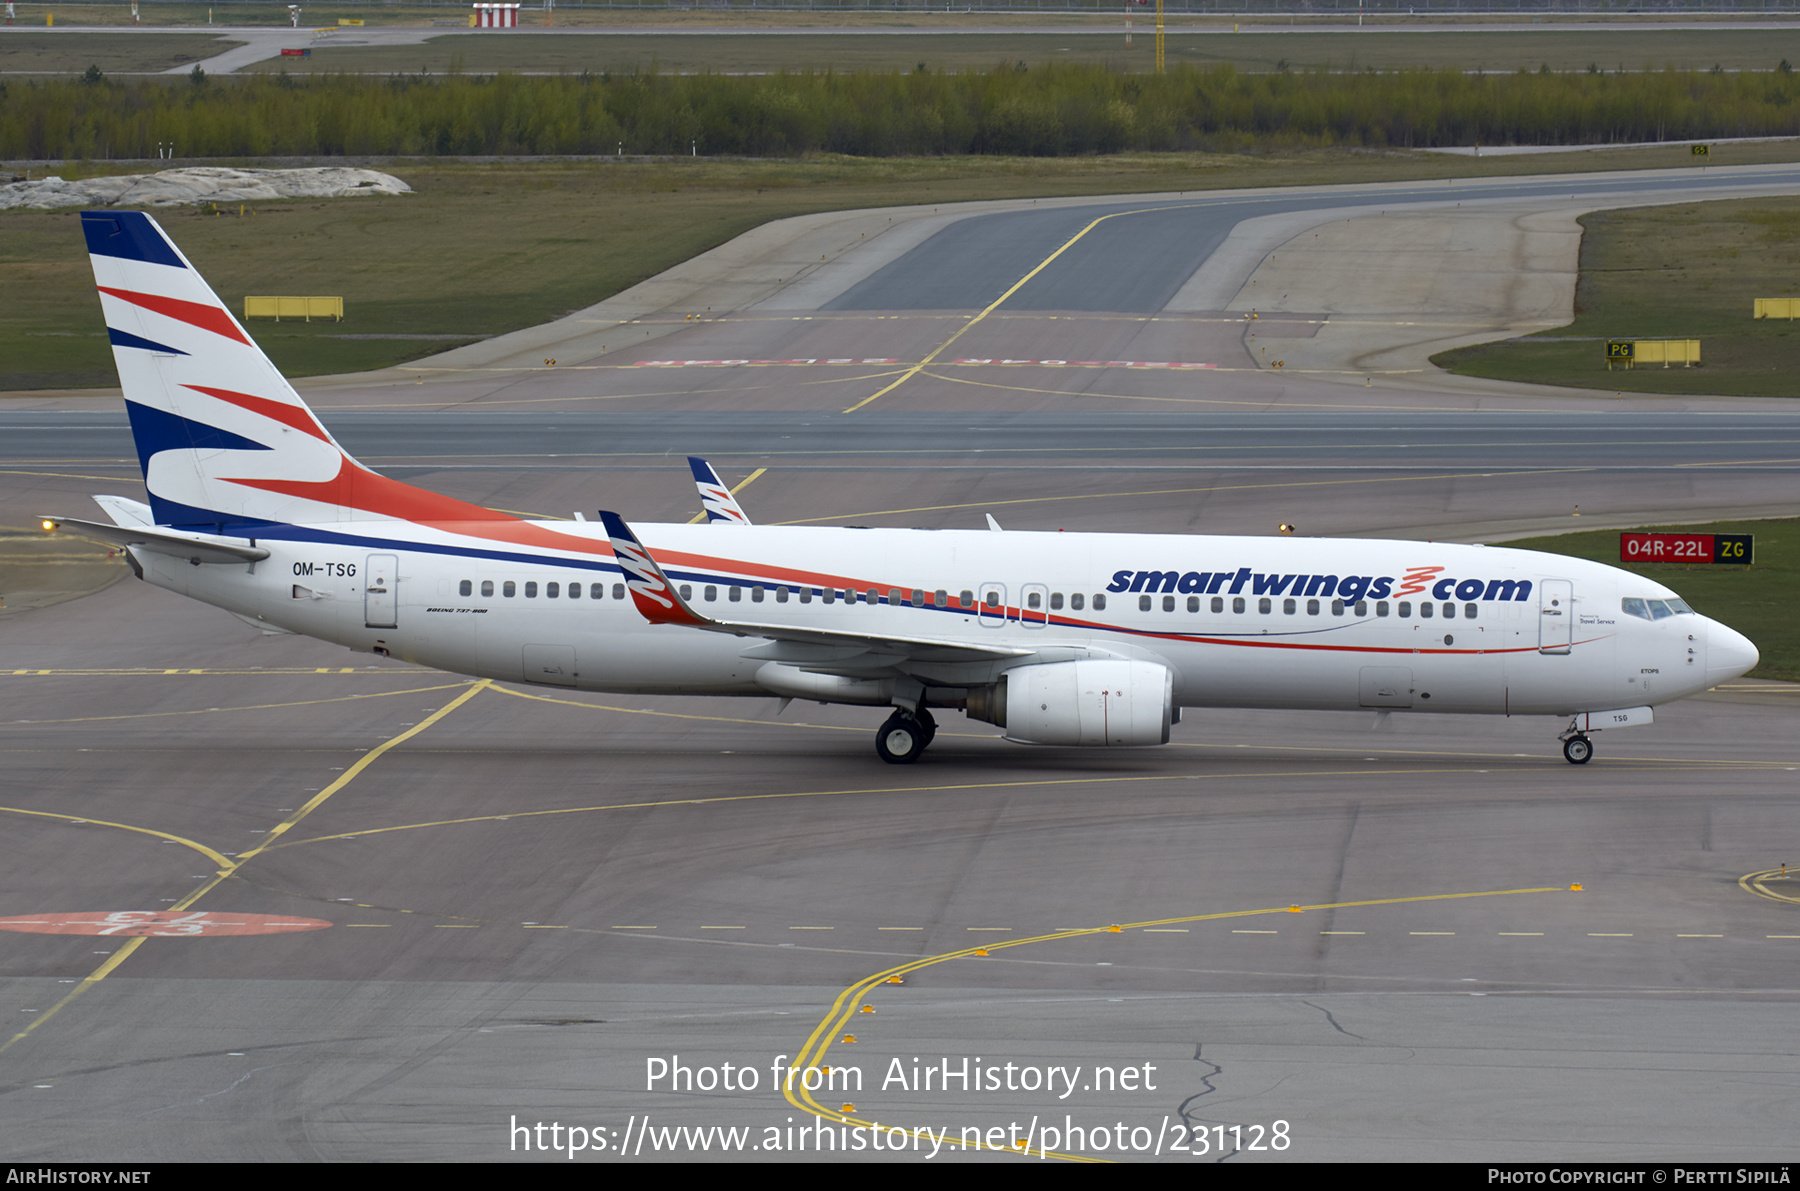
[1728, 654]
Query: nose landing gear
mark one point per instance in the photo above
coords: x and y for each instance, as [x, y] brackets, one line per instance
[1578, 749]
[903, 737]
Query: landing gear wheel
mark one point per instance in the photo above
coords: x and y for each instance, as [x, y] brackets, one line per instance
[930, 726]
[901, 739]
[1578, 750]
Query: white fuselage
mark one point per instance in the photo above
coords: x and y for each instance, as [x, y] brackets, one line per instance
[1239, 622]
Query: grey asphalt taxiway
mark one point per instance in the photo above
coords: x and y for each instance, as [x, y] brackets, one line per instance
[326, 906]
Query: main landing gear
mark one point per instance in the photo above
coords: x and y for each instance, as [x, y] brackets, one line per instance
[902, 739]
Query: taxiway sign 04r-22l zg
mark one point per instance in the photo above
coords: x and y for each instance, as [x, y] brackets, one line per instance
[1058, 638]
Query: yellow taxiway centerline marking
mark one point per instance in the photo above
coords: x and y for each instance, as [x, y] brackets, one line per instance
[1033, 500]
[844, 1008]
[725, 798]
[205, 851]
[1041, 266]
[230, 867]
[145, 715]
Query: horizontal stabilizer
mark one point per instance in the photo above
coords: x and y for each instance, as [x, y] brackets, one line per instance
[195, 549]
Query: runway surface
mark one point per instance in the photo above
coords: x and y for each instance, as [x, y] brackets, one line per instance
[488, 908]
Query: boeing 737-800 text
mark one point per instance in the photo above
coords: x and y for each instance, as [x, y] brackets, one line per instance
[1058, 638]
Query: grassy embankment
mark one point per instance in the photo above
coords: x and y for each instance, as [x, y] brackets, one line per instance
[1757, 601]
[490, 248]
[129, 53]
[1683, 272]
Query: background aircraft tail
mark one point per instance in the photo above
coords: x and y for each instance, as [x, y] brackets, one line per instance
[225, 443]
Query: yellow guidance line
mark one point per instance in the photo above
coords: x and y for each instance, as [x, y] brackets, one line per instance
[350, 774]
[1039, 500]
[992, 306]
[205, 851]
[230, 867]
[845, 1007]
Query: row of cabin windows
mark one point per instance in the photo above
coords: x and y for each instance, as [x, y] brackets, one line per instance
[1266, 606]
[710, 593]
[919, 598]
[509, 589]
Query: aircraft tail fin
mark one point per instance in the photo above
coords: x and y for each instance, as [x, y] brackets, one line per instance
[720, 505]
[225, 443]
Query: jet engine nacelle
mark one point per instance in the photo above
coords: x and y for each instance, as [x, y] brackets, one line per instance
[1096, 702]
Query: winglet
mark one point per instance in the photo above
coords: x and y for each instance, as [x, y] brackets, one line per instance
[715, 497]
[651, 590]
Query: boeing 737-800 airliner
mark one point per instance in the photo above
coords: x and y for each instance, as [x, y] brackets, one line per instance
[1059, 639]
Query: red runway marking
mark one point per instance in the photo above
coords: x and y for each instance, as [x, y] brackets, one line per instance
[159, 923]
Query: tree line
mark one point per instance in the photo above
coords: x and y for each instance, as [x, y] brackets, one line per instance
[1014, 110]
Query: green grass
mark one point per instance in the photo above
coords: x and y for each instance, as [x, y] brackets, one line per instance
[490, 248]
[72, 53]
[1758, 601]
[1685, 272]
[1559, 50]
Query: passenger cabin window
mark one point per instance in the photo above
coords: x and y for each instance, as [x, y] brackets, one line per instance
[509, 589]
[574, 591]
[1425, 611]
[487, 587]
[1218, 603]
[1076, 600]
[1099, 601]
[966, 599]
[1143, 603]
[1237, 605]
[466, 588]
[596, 591]
[618, 591]
[1193, 603]
[687, 591]
[552, 590]
[709, 593]
[1056, 601]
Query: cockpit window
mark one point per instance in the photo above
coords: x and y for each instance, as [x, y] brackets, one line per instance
[1654, 609]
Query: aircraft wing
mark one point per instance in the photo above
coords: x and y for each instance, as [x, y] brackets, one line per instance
[721, 507]
[659, 602]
